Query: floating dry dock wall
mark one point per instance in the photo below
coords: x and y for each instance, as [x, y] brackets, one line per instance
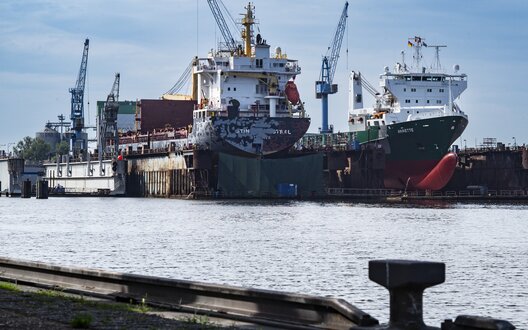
[494, 169]
[405, 280]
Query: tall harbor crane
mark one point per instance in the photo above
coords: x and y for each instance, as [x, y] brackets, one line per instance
[107, 128]
[230, 42]
[324, 85]
[79, 137]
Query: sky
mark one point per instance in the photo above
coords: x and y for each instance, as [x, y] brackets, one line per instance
[150, 43]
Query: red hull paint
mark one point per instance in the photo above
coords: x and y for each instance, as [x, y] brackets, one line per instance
[420, 174]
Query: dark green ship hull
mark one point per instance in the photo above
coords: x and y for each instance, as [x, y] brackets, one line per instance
[414, 148]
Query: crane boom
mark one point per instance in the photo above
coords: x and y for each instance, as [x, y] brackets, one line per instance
[336, 43]
[114, 92]
[108, 136]
[222, 25]
[324, 85]
[77, 105]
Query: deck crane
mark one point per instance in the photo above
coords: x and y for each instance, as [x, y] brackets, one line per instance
[108, 123]
[230, 42]
[324, 85]
[79, 137]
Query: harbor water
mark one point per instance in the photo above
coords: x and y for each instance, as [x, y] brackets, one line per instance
[320, 248]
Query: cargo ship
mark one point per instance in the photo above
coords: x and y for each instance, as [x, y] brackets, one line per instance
[245, 99]
[414, 120]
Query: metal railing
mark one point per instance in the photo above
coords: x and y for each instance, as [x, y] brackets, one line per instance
[272, 308]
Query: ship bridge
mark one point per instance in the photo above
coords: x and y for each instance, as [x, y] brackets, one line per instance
[423, 89]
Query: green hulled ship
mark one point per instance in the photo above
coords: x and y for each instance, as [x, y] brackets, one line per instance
[415, 120]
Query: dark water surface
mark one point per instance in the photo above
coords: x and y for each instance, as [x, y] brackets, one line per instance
[307, 247]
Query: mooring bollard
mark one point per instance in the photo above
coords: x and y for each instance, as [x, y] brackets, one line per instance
[26, 189]
[42, 189]
[406, 281]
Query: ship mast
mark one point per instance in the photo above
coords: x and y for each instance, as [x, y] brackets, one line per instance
[417, 43]
[247, 32]
[436, 65]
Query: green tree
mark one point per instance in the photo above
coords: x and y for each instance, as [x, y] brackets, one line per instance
[32, 149]
[62, 148]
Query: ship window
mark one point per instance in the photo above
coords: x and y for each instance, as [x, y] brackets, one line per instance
[438, 102]
[413, 89]
[416, 101]
[427, 101]
[427, 78]
[429, 90]
[262, 89]
[408, 78]
[281, 65]
[436, 78]
[234, 88]
[416, 78]
[259, 63]
[358, 98]
[405, 89]
[228, 88]
[441, 90]
[407, 101]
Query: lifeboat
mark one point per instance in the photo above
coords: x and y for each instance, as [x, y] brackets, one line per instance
[292, 94]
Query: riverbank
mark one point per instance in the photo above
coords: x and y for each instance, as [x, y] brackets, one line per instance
[28, 308]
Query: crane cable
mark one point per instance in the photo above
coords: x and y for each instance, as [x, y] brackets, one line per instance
[368, 86]
[182, 81]
[230, 16]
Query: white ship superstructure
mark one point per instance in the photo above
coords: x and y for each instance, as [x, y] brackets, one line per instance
[407, 95]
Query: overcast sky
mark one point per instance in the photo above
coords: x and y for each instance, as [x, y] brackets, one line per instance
[151, 43]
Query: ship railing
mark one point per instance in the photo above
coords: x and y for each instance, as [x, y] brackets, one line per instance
[363, 192]
[469, 193]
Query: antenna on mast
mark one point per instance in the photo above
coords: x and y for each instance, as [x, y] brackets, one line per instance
[436, 65]
[417, 43]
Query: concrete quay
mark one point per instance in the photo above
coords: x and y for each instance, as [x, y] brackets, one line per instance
[405, 280]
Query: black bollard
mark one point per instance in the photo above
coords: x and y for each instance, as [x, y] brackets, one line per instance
[406, 281]
[26, 189]
[42, 189]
